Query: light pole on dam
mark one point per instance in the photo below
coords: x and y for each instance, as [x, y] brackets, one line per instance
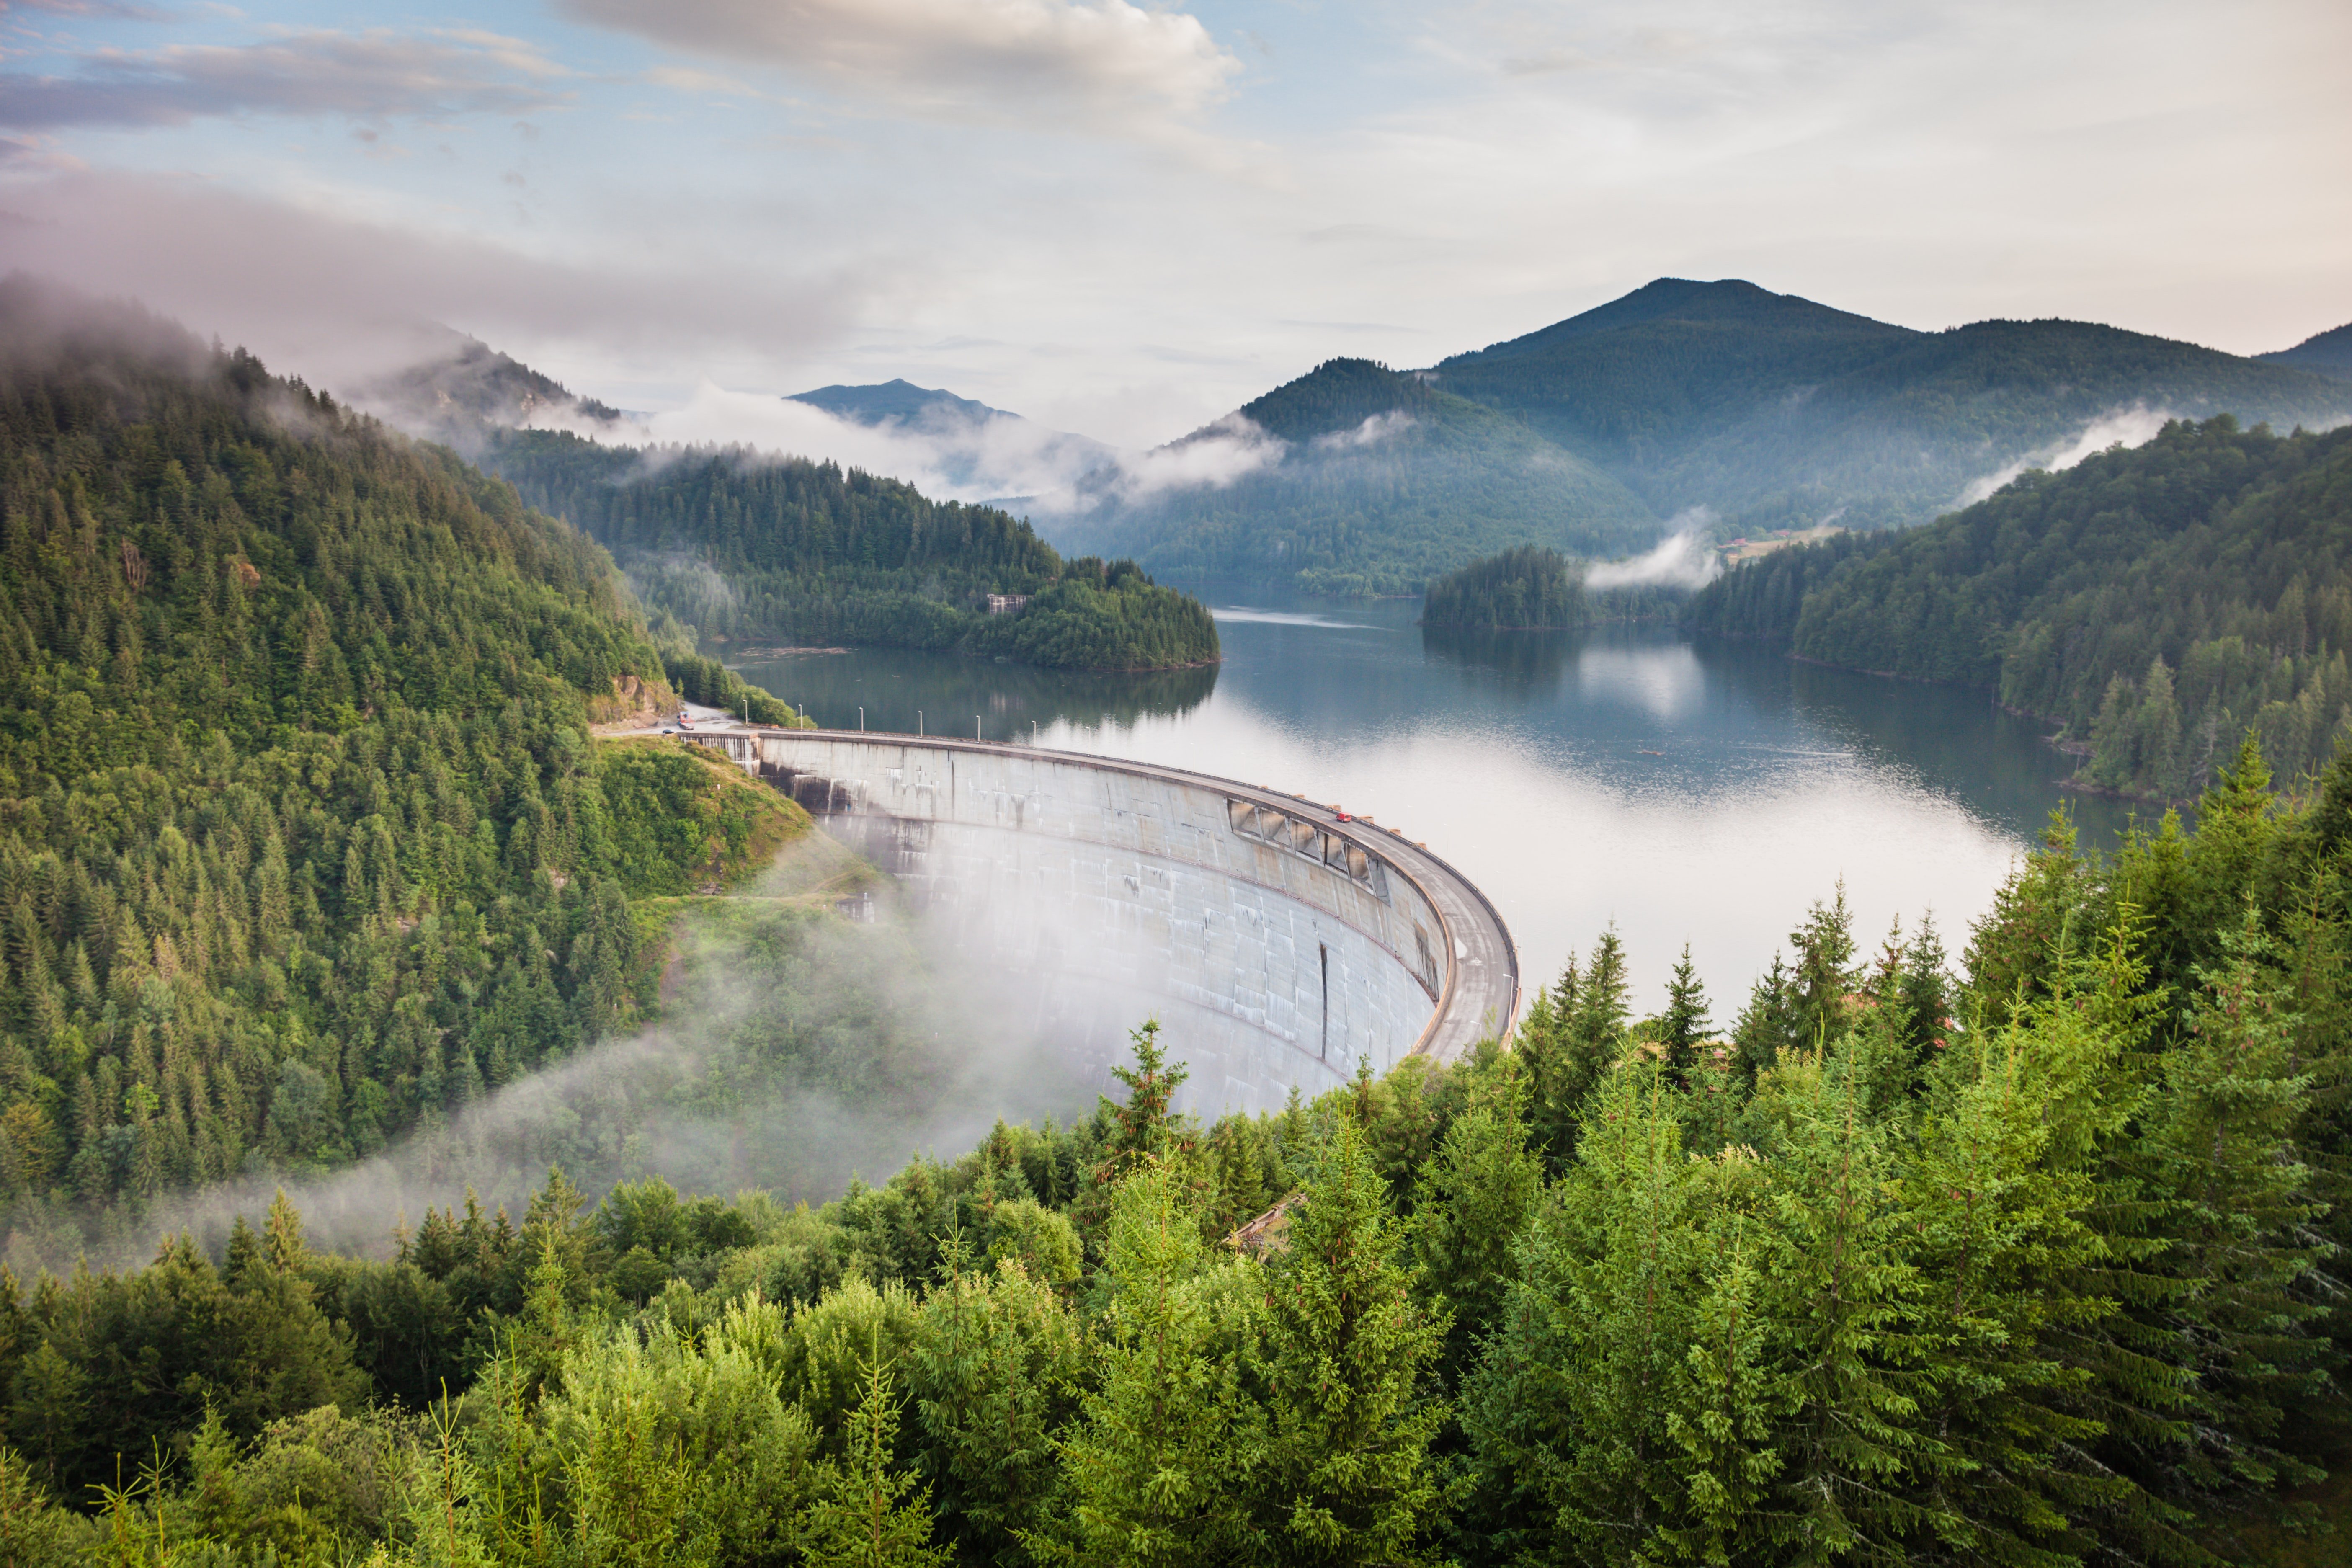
[1277, 939]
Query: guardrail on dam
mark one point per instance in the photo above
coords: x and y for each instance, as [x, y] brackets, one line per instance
[1276, 943]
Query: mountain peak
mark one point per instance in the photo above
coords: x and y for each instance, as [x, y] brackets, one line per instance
[1336, 396]
[896, 399]
[1726, 303]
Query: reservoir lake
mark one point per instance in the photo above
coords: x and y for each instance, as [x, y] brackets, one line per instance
[1684, 789]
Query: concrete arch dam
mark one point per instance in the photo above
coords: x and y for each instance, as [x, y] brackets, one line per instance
[1276, 943]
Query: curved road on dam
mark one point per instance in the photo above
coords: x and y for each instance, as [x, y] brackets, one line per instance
[1481, 996]
[1476, 992]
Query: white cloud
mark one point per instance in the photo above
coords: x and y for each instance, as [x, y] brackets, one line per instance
[1375, 429]
[337, 299]
[95, 10]
[1681, 560]
[361, 75]
[944, 454]
[1232, 449]
[2130, 426]
[686, 78]
[1028, 466]
[1103, 62]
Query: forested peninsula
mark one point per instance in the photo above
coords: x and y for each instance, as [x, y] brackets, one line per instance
[2156, 601]
[740, 544]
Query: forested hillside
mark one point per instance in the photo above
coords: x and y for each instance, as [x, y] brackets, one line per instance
[739, 544]
[2328, 353]
[2156, 601]
[2032, 1262]
[303, 838]
[1381, 481]
[1725, 394]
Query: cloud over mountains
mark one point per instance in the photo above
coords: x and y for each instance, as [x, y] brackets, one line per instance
[1103, 62]
[372, 75]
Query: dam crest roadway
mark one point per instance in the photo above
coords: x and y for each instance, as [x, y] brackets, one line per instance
[1277, 943]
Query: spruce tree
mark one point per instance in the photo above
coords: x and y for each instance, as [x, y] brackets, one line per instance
[1157, 1469]
[2000, 1186]
[1768, 1026]
[1842, 1297]
[1472, 1204]
[1685, 1024]
[1146, 1125]
[867, 1513]
[994, 1372]
[1721, 1404]
[1824, 974]
[1569, 1041]
[1346, 1476]
[1567, 1413]
[2218, 1148]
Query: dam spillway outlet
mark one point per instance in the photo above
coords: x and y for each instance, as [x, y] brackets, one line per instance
[1276, 945]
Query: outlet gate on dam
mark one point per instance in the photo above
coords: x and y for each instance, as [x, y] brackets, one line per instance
[1277, 943]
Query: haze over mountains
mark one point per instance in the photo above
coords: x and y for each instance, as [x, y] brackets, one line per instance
[1716, 406]
[982, 453]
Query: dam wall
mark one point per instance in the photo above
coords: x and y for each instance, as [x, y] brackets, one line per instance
[1277, 944]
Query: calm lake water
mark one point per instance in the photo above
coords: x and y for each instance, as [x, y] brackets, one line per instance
[1687, 791]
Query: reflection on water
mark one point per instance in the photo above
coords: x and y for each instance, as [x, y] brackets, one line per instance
[1523, 663]
[1664, 682]
[901, 688]
[1687, 791]
[1286, 617]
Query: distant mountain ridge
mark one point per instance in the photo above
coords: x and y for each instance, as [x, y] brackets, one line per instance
[894, 399]
[1722, 402]
[1359, 479]
[989, 454]
[2329, 354]
[1728, 395]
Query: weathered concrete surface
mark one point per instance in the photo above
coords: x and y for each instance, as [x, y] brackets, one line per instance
[1276, 945]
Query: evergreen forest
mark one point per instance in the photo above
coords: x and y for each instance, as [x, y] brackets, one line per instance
[1528, 588]
[1533, 589]
[308, 840]
[743, 546]
[2155, 602]
[2029, 1256]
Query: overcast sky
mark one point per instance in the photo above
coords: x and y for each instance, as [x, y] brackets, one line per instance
[1125, 221]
